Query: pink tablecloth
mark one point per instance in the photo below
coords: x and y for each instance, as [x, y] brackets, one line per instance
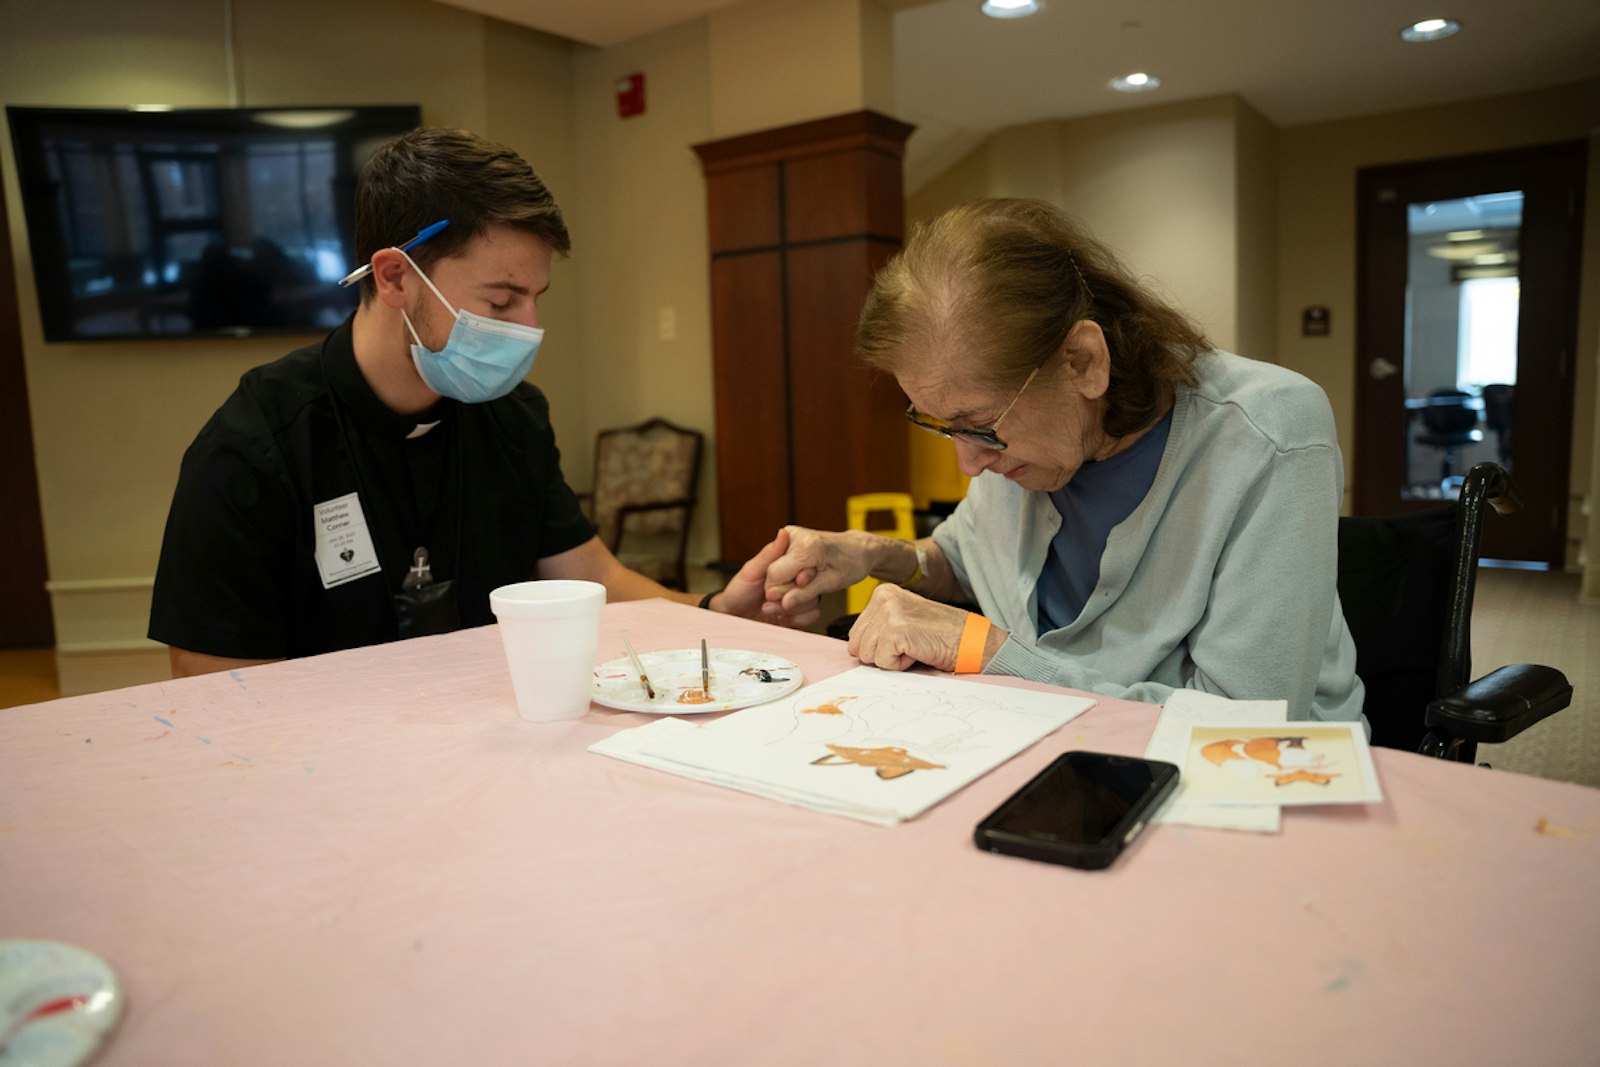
[368, 858]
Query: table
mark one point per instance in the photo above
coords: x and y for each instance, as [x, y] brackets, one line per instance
[368, 858]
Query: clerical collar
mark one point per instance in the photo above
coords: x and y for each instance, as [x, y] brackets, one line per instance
[351, 387]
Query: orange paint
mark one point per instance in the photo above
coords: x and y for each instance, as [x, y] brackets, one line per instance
[827, 709]
[889, 762]
[1313, 777]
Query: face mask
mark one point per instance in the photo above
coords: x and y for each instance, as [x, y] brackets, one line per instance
[483, 359]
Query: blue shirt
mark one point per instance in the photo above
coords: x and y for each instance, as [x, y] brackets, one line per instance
[1099, 496]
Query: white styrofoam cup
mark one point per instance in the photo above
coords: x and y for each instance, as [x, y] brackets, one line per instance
[550, 630]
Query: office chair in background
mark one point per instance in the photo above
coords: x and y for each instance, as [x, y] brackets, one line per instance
[1497, 416]
[1447, 424]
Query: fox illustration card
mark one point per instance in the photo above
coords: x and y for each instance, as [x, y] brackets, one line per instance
[1284, 763]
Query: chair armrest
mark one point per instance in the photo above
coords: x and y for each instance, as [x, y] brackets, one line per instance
[658, 505]
[683, 504]
[1501, 704]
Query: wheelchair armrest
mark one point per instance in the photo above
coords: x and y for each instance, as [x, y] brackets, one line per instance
[1501, 704]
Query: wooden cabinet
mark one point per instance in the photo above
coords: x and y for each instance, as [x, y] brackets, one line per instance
[800, 219]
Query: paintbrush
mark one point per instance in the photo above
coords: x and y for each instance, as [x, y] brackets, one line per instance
[633, 657]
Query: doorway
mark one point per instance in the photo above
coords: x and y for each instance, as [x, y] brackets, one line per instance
[1467, 312]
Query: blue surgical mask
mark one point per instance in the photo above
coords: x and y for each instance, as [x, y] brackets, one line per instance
[483, 359]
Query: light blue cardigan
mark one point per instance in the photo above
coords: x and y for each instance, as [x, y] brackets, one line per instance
[1221, 580]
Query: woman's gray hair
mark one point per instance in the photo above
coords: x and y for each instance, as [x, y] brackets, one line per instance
[1003, 282]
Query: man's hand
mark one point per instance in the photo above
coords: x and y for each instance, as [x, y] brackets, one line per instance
[746, 594]
[900, 629]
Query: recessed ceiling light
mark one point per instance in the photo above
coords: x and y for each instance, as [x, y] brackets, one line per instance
[1430, 30]
[1010, 9]
[1138, 82]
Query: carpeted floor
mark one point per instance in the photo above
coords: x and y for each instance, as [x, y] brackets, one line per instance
[1536, 617]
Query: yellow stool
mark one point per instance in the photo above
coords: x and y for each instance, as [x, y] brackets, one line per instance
[859, 508]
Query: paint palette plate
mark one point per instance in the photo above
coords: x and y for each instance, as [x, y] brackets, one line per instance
[57, 1003]
[675, 676]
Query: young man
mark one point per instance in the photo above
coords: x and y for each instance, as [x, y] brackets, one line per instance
[378, 484]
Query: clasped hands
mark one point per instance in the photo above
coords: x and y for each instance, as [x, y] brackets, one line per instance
[782, 583]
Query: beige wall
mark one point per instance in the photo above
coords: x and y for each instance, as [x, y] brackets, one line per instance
[639, 215]
[777, 62]
[1256, 219]
[1176, 190]
[1317, 236]
[111, 420]
[639, 228]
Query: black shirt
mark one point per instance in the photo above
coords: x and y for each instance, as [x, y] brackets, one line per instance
[482, 491]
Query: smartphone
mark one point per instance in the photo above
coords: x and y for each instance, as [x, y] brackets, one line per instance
[1081, 811]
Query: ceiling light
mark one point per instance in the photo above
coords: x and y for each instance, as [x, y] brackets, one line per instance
[1010, 9]
[1430, 30]
[305, 120]
[1489, 259]
[1464, 235]
[1463, 251]
[1138, 82]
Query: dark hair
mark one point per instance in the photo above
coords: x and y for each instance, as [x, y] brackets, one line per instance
[1005, 281]
[434, 173]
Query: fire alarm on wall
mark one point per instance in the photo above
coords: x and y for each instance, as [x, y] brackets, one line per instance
[630, 95]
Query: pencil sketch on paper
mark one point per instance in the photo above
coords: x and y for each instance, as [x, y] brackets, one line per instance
[869, 744]
[889, 724]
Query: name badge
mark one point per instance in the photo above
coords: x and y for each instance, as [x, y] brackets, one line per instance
[344, 545]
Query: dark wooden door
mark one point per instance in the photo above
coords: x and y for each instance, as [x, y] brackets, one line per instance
[800, 218]
[1435, 390]
[25, 620]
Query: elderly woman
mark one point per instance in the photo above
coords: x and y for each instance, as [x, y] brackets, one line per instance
[1146, 513]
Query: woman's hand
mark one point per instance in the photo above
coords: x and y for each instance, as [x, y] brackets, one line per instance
[814, 563]
[900, 628]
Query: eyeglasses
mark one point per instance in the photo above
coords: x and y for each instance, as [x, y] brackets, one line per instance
[984, 436]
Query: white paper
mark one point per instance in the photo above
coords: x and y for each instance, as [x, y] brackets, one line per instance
[1189, 707]
[874, 745]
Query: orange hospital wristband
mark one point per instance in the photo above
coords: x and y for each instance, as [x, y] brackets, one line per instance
[974, 635]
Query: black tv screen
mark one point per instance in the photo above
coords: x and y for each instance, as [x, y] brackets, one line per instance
[193, 222]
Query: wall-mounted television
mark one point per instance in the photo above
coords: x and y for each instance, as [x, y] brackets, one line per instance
[193, 222]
